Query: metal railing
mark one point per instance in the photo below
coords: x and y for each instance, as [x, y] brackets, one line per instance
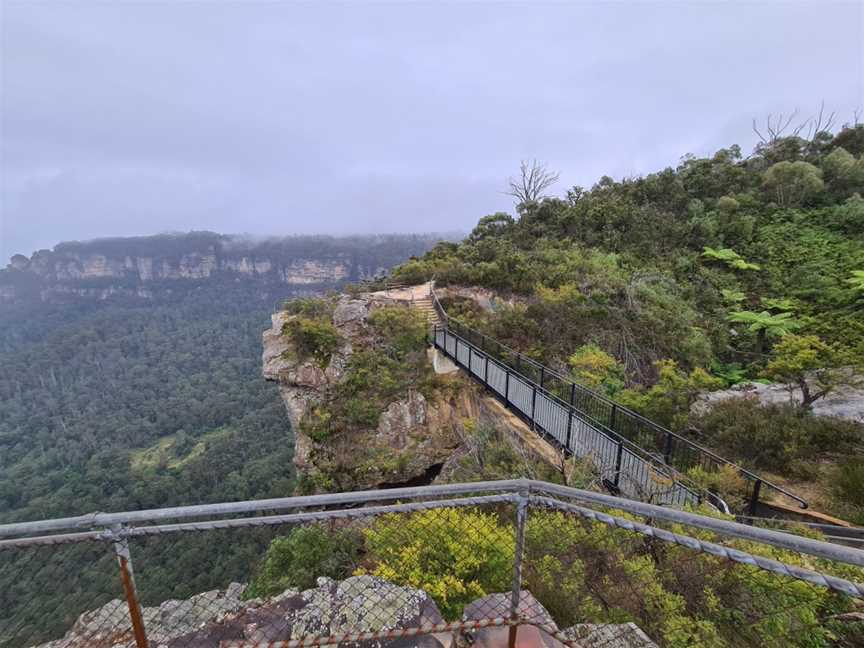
[463, 563]
[634, 438]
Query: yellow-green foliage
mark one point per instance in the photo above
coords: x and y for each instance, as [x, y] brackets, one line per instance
[668, 401]
[596, 369]
[456, 555]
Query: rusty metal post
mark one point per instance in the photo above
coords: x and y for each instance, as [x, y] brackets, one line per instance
[516, 589]
[124, 561]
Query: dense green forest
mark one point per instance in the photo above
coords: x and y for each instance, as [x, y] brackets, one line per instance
[721, 270]
[119, 406]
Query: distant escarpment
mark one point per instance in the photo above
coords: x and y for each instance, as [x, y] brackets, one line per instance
[145, 266]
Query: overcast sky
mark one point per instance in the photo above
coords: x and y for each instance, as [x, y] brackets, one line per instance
[123, 118]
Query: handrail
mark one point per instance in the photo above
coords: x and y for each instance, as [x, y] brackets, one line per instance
[668, 471]
[624, 411]
[520, 487]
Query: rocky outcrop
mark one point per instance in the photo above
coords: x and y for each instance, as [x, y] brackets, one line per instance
[356, 604]
[845, 402]
[415, 432]
[360, 604]
[418, 436]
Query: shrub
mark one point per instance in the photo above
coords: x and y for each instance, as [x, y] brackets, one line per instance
[848, 486]
[311, 307]
[314, 338]
[775, 437]
[403, 330]
[596, 369]
[296, 560]
[455, 555]
[668, 401]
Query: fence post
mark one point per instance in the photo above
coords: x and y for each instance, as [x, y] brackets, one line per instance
[754, 497]
[124, 560]
[486, 370]
[470, 357]
[542, 375]
[667, 449]
[533, 405]
[506, 386]
[613, 416]
[618, 463]
[569, 428]
[519, 550]
[572, 394]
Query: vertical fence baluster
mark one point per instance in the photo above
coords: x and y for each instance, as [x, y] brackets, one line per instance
[516, 589]
[533, 406]
[754, 497]
[127, 576]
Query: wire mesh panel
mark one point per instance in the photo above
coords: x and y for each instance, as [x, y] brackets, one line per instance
[605, 585]
[45, 589]
[330, 581]
[520, 560]
[439, 337]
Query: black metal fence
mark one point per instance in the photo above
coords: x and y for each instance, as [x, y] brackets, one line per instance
[584, 422]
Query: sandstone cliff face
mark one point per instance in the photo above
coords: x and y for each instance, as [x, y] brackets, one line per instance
[130, 266]
[73, 266]
[419, 435]
[415, 434]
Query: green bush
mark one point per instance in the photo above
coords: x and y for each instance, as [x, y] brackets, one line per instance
[848, 486]
[314, 338]
[310, 307]
[775, 437]
[296, 560]
[402, 330]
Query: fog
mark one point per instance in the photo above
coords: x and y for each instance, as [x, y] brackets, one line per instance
[281, 118]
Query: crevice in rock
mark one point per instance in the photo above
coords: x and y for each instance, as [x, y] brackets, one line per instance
[424, 479]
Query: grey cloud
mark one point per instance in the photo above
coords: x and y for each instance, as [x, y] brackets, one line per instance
[269, 117]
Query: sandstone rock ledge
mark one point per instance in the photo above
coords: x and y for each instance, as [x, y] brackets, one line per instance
[354, 605]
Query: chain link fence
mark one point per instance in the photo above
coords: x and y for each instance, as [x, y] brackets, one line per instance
[488, 564]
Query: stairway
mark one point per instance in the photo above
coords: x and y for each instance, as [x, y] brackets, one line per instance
[426, 306]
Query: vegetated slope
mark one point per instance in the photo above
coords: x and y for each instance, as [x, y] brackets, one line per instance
[122, 406]
[721, 270]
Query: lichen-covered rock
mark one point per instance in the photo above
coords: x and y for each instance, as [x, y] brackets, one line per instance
[110, 627]
[845, 402]
[609, 635]
[401, 419]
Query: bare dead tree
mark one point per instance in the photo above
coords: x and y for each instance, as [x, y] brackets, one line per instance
[778, 127]
[534, 178]
[775, 127]
[820, 122]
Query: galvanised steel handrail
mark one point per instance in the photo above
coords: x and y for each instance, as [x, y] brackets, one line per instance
[672, 447]
[519, 487]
